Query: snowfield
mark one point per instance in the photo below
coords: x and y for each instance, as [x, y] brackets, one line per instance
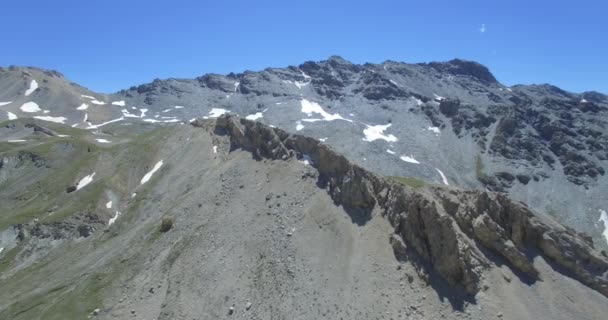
[5, 103]
[119, 103]
[52, 119]
[604, 220]
[373, 133]
[83, 106]
[309, 108]
[409, 159]
[11, 116]
[33, 87]
[148, 175]
[215, 113]
[85, 181]
[443, 177]
[30, 107]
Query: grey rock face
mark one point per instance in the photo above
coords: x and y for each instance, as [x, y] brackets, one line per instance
[448, 229]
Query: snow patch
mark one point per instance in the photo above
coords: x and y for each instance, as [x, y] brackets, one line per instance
[604, 219]
[214, 149]
[409, 159]
[309, 108]
[178, 107]
[216, 112]
[113, 219]
[299, 126]
[11, 116]
[33, 87]
[434, 129]
[14, 141]
[377, 132]
[256, 115]
[5, 103]
[393, 82]
[103, 141]
[88, 97]
[323, 139]
[172, 120]
[584, 100]
[105, 123]
[52, 119]
[97, 102]
[119, 103]
[109, 205]
[236, 86]
[390, 151]
[63, 135]
[85, 181]
[443, 177]
[438, 97]
[148, 175]
[30, 107]
[1, 249]
[83, 106]
[143, 112]
[127, 114]
[151, 120]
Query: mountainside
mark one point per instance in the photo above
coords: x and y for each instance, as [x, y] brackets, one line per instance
[357, 191]
[450, 123]
[231, 218]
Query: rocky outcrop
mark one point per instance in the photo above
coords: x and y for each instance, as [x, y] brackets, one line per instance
[452, 231]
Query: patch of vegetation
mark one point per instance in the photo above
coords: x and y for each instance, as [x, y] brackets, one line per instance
[413, 183]
[166, 224]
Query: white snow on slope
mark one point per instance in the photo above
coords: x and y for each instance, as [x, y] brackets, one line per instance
[143, 112]
[604, 219]
[390, 151]
[88, 97]
[438, 97]
[309, 108]
[393, 82]
[299, 126]
[409, 159]
[83, 106]
[443, 177]
[96, 126]
[434, 129]
[216, 112]
[584, 100]
[377, 132]
[64, 135]
[109, 204]
[85, 181]
[151, 120]
[127, 114]
[418, 101]
[166, 110]
[214, 149]
[113, 219]
[254, 116]
[119, 103]
[33, 87]
[178, 107]
[148, 175]
[12, 141]
[5, 103]
[172, 120]
[1, 249]
[103, 141]
[11, 116]
[46, 111]
[86, 117]
[97, 102]
[30, 107]
[236, 85]
[52, 119]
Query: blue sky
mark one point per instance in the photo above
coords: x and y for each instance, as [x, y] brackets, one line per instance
[109, 45]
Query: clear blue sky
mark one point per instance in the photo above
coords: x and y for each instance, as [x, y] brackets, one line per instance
[109, 45]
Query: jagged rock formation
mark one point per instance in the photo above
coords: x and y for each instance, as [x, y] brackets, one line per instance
[451, 230]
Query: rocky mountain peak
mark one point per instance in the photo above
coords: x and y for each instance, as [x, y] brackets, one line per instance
[465, 68]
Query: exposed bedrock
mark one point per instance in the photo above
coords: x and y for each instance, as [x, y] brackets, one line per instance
[460, 234]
